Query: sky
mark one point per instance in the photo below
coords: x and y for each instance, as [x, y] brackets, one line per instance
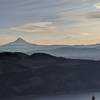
[70, 22]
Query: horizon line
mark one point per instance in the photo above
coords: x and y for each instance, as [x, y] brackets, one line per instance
[21, 38]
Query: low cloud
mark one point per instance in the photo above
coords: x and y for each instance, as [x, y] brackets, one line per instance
[84, 34]
[35, 27]
[94, 15]
[97, 5]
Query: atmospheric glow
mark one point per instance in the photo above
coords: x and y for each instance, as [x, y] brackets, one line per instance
[97, 5]
[50, 21]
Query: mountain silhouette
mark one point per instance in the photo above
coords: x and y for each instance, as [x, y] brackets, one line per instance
[75, 51]
[21, 45]
[44, 74]
[20, 40]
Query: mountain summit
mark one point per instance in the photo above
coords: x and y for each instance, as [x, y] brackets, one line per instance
[21, 41]
[19, 45]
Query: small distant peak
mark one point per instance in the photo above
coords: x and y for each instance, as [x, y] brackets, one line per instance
[21, 40]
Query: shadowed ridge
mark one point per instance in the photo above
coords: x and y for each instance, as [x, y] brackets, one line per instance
[16, 55]
[44, 74]
[37, 56]
[22, 55]
[42, 56]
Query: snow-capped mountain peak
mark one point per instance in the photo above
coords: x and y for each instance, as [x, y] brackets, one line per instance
[20, 41]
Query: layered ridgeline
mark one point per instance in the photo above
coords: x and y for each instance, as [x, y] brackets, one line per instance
[77, 51]
[43, 74]
[20, 45]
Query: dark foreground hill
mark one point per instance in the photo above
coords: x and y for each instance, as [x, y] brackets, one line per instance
[43, 74]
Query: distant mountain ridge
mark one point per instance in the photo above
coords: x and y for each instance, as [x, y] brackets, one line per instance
[20, 40]
[20, 45]
[76, 51]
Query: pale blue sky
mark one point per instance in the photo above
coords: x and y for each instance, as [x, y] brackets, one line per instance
[50, 21]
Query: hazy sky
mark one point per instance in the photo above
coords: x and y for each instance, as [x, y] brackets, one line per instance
[50, 21]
